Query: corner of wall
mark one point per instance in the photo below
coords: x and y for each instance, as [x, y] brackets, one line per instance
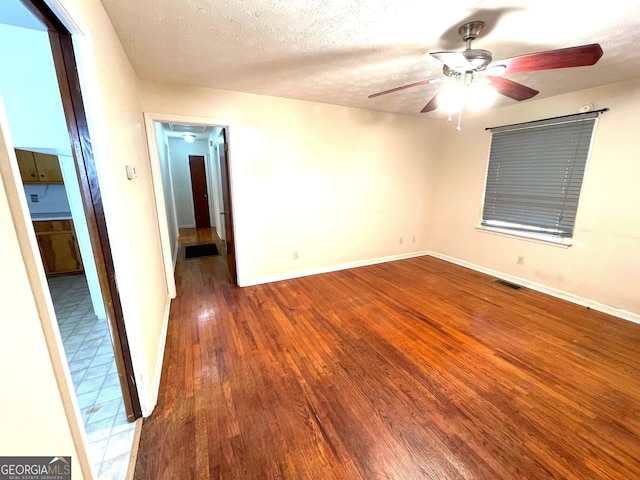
[554, 292]
[155, 385]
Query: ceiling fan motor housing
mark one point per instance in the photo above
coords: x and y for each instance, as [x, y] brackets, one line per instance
[470, 31]
[479, 59]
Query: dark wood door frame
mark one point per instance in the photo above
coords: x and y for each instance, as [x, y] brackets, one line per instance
[199, 191]
[82, 150]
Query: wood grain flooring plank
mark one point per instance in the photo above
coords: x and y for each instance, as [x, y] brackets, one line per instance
[415, 369]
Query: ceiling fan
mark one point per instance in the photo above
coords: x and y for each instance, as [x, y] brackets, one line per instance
[476, 65]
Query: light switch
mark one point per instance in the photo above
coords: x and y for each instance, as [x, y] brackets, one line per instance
[132, 172]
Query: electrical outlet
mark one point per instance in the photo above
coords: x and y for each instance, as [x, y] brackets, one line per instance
[295, 255]
[520, 261]
[413, 240]
[401, 240]
[34, 198]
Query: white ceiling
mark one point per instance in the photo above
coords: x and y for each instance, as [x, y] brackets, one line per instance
[178, 130]
[340, 51]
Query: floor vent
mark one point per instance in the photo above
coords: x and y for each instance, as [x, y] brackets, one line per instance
[504, 283]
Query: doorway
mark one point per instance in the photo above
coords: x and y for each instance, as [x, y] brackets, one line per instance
[170, 153]
[88, 315]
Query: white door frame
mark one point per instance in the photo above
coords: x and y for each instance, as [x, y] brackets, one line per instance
[213, 174]
[156, 176]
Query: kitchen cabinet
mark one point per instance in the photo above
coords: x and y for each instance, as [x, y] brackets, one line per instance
[58, 246]
[38, 167]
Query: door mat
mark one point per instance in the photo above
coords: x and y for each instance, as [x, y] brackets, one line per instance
[205, 250]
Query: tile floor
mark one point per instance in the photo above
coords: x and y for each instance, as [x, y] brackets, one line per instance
[87, 344]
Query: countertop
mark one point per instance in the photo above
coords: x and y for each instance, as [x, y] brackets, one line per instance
[51, 216]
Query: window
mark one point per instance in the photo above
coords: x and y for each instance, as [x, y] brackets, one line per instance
[535, 175]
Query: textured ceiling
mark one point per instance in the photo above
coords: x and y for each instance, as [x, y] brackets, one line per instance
[340, 51]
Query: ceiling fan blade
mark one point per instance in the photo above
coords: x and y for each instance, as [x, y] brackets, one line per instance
[454, 60]
[410, 85]
[432, 105]
[581, 56]
[512, 89]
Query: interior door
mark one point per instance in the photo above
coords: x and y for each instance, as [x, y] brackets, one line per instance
[228, 216]
[199, 191]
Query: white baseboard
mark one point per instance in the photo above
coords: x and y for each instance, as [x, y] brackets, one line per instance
[554, 292]
[330, 268]
[155, 386]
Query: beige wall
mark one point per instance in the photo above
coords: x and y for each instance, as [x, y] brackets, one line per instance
[338, 185]
[603, 264]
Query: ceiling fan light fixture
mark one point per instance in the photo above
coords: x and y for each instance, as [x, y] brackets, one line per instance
[481, 96]
[451, 97]
[189, 137]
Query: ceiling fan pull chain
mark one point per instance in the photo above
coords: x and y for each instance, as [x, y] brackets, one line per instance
[459, 127]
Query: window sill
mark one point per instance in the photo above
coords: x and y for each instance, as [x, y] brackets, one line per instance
[532, 237]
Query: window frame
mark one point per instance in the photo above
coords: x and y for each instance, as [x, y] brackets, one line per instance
[540, 237]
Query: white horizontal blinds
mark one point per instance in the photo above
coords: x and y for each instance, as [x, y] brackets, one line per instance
[535, 175]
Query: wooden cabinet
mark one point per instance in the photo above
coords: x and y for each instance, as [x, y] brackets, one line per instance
[58, 246]
[38, 167]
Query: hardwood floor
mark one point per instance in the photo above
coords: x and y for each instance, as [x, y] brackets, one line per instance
[406, 370]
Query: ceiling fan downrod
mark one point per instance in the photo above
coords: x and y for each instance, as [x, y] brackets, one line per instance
[470, 31]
